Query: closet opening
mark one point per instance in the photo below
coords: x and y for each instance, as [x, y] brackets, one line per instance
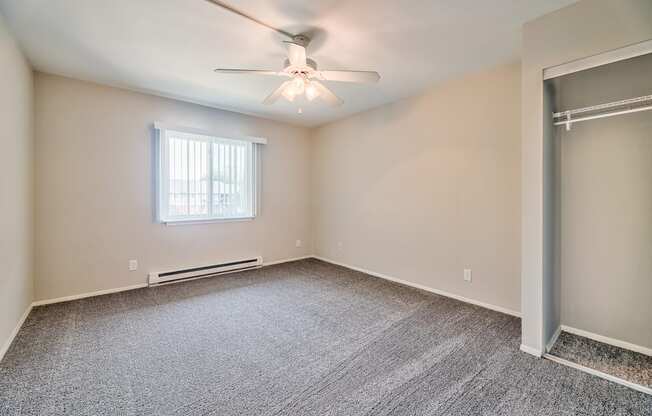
[598, 221]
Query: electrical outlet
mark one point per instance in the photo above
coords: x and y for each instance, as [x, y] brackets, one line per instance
[298, 243]
[339, 245]
[468, 275]
[133, 265]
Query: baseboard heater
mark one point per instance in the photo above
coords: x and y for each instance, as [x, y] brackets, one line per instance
[157, 278]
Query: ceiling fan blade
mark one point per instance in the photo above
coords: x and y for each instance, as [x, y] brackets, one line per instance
[271, 98]
[239, 12]
[246, 71]
[296, 54]
[326, 94]
[351, 76]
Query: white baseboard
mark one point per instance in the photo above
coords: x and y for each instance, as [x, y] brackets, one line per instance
[422, 287]
[132, 287]
[271, 263]
[21, 321]
[531, 351]
[600, 374]
[88, 294]
[554, 338]
[369, 272]
[611, 341]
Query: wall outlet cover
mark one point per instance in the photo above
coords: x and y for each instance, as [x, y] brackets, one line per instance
[133, 265]
[468, 275]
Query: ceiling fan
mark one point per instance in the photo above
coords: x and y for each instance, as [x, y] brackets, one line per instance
[304, 76]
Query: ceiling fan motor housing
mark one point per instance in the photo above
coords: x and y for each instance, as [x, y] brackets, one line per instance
[301, 40]
[310, 67]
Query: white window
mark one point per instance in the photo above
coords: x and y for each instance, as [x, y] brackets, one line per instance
[202, 177]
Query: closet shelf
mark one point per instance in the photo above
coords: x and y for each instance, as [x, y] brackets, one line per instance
[631, 105]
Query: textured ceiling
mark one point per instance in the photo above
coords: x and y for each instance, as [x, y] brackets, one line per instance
[169, 47]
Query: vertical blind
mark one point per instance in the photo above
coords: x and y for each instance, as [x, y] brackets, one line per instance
[205, 177]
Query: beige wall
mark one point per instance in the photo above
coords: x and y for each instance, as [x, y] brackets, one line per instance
[16, 185]
[605, 171]
[586, 28]
[94, 189]
[422, 188]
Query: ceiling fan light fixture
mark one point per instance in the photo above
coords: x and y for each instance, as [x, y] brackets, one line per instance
[295, 88]
[289, 93]
[311, 91]
[298, 85]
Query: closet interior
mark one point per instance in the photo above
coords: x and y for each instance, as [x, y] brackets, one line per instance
[599, 223]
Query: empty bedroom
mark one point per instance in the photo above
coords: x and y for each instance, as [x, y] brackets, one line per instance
[328, 207]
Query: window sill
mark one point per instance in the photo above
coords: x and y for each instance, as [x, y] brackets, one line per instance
[204, 221]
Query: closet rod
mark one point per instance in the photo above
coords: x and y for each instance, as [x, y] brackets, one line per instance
[568, 115]
[615, 113]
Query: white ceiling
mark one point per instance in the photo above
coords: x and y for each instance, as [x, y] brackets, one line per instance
[170, 47]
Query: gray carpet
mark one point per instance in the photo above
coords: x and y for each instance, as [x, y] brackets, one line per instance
[304, 338]
[619, 362]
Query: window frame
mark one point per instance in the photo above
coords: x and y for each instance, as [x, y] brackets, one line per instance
[161, 183]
